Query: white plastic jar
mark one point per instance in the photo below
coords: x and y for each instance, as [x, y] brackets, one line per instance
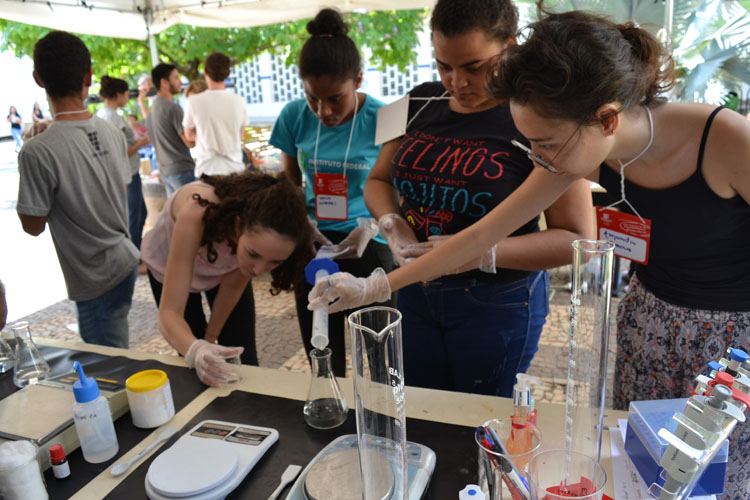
[149, 398]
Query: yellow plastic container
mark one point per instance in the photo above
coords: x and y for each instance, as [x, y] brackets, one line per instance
[150, 398]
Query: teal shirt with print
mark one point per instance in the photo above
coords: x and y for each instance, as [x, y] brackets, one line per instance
[294, 133]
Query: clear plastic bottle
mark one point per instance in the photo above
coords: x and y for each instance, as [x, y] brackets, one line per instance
[93, 420]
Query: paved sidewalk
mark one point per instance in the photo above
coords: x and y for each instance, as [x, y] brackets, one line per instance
[278, 340]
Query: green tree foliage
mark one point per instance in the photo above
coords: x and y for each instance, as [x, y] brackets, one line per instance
[390, 36]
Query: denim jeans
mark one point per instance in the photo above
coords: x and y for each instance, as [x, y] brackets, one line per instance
[136, 210]
[473, 337]
[104, 320]
[17, 134]
[174, 182]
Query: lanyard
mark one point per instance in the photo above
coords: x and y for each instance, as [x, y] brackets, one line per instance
[623, 165]
[348, 144]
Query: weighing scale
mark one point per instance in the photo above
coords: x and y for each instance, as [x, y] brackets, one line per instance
[334, 472]
[208, 462]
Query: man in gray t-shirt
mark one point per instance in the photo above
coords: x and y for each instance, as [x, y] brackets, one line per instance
[73, 177]
[164, 124]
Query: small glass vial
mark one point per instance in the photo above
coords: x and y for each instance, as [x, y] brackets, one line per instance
[60, 466]
[93, 420]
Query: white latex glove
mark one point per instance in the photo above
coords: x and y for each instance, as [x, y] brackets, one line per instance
[208, 361]
[317, 236]
[347, 291]
[399, 235]
[485, 262]
[355, 243]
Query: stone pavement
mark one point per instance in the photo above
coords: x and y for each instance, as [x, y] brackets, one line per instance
[279, 344]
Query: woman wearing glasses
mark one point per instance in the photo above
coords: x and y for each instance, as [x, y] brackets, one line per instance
[474, 328]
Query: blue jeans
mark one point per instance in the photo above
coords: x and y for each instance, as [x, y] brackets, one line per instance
[136, 210]
[17, 134]
[174, 182]
[473, 337]
[104, 320]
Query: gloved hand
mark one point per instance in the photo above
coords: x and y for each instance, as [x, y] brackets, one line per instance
[317, 236]
[485, 262]
[399, 235]
[208, 361]
[349, 291]
[356, 241]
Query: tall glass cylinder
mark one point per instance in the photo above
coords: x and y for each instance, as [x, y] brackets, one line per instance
[377, 361]
[587, 355]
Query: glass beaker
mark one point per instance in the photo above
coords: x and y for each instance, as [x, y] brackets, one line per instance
[589, 338]
[494, 467]
[377, 361]
[325, 407]
[29, 366]
[560, 475]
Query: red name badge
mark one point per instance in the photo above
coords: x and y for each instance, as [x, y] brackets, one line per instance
[628, 233]
[331, 197]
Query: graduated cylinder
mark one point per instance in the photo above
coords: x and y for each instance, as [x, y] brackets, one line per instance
[589, 336]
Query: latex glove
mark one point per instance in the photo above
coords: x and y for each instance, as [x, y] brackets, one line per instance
[317, 236]
[347, 291]
[208, 361]
[399, 235]
[485, 262]
[355, 243]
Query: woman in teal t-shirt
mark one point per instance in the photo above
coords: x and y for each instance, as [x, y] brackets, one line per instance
[328, 138]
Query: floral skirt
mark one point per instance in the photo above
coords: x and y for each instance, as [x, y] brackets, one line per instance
[661, 348]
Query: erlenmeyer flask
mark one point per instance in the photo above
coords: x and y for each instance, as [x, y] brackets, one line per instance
[29, 366]
[377, 360]
[325, 407]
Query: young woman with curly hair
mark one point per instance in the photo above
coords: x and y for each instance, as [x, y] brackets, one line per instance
[227, 230]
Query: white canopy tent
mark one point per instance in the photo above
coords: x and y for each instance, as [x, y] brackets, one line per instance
[137, 19]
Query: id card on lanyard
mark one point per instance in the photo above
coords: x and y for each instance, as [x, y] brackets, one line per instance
[630, 234]
[331, 197]
[331, 190]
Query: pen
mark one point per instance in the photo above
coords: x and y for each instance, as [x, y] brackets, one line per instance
[508, 467]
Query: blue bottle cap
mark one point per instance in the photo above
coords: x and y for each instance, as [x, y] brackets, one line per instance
[738, 355]
[715, 366]
[317, 264]
[85, 389]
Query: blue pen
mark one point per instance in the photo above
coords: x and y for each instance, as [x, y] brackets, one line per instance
[509, 468]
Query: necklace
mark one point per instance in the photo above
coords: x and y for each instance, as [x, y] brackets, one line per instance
[69, 113]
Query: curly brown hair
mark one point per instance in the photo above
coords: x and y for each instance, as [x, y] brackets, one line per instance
[258, 200]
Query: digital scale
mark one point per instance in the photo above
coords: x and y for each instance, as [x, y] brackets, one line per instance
[208, 462]
[334, 474]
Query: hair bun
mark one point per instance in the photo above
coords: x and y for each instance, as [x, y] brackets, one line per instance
[328, 22]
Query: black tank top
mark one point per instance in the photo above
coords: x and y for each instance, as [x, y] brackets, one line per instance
[700, 243]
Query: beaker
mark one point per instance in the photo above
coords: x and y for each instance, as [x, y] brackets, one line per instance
[377, 361]
[325, 407]
[587, 354]
[494, 467]
[561, 475]
[29, 366]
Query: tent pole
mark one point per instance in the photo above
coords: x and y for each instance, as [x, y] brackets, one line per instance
[148, 17]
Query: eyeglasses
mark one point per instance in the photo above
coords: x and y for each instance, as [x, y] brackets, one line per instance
[538, 159]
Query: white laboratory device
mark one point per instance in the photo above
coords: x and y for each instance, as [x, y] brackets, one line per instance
[208, 461]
